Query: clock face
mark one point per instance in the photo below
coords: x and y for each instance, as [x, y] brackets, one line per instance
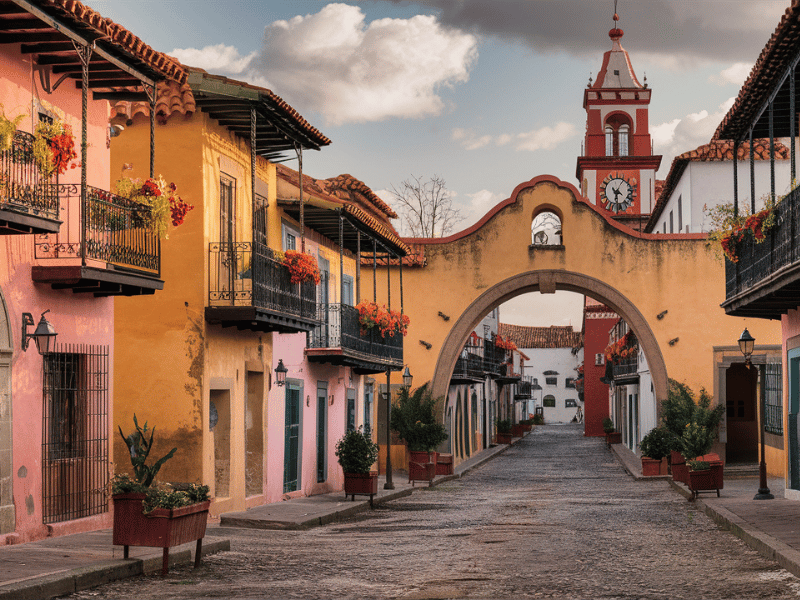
[616, 193]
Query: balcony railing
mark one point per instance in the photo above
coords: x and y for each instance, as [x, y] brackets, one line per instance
[23, 188]
[524, 388]
[338, 339]
[493, 358]
[627, 368]
[104, 227]
[246, 274]
[469, 366]
[768, 261]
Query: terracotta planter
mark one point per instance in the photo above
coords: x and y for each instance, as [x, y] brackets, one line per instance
[615, 437]
[680, 472]
[444, 464]
[527, 427]
[517, 431]
[504, 438]
[706, 481]
[162, 528]
[421, 466]
[361, 484]
[651, 467]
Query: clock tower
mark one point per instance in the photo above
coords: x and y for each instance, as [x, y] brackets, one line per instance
[617, 170]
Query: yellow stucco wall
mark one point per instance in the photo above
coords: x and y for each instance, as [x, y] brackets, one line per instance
[641, 276]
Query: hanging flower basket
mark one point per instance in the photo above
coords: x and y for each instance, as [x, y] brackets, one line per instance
[302, 267]
[54, 148]
[623, 348]
[8, 127]
[507, 345]
[387, 321]
[160, 202]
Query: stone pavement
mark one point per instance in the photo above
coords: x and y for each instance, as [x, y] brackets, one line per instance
[67, 564]
[63, 565]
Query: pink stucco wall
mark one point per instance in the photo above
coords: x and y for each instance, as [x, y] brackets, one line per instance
[78, 318]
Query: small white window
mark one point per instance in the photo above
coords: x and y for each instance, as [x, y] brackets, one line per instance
[599, 359]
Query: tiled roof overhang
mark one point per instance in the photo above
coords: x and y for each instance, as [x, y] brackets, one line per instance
[322, 215]
[279, 127]
[120, 62]
[768, 81]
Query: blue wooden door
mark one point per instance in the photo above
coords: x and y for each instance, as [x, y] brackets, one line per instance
[291, 455]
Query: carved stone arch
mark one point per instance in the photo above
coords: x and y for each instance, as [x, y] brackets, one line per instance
[548, 281]
[7, 509]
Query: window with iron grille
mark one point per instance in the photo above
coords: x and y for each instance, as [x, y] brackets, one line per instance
[773, 398]
[551, 380]
[570, 382]
[75, 433]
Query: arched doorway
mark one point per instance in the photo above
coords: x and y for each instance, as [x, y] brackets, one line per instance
[7, 514]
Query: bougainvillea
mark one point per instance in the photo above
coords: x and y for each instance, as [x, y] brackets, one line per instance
[728, 231]
[160, 197]
[623, 348]
[387, 321]
[302, 266]
[504, 344]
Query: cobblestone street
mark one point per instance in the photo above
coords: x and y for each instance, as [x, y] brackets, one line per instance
[553, 517]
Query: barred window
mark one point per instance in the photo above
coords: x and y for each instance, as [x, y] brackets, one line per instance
[773, 398]
[75, 433]
[551, 381]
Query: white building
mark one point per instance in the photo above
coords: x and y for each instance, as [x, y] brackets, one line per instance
[704, 178]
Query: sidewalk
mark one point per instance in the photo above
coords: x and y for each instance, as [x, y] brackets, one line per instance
[67, 564]
[772, 527]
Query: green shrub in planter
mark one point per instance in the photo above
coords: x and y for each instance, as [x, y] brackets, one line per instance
[657, 444]
[608, 425]
[699, 465]
[538, 419]
[356, 452]
[503, 426]
[414, 420]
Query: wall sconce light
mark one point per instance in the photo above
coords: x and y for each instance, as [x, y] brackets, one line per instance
[330, 400]
[426, 344]
[280, 373]
[444, 316]
[673, 341]
[44, 335]
[660, 315]
[746, 344]
[407, 378]
[308, 400]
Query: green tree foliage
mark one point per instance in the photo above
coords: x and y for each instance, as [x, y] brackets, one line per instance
[414, 420]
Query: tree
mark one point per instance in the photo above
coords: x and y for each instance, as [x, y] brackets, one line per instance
[426, 207]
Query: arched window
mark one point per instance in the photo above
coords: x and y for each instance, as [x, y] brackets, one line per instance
[549, 401]
[546, 230]
[617, 132]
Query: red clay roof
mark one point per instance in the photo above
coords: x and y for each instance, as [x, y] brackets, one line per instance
[715, 150]
[348, 186]
[555, 336]
[765, 75]
[117, 35]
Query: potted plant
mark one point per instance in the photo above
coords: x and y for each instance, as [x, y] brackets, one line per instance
[538, 419]
[302, 267]
[612, 435]
[387, 322]
[677, 412]
[152, 515]
[705, 470]
[414, 420]
[504, 434]
[357, 453]
[655, 446]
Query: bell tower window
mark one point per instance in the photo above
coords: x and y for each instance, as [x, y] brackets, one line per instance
[617, 131]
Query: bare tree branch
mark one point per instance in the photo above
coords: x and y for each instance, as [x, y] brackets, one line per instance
[426, 207]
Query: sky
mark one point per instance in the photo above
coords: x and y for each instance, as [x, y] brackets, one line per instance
[485, 94]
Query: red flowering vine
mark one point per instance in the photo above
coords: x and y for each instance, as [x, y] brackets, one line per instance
[388, 322]
[499, 342]
[54, 147]
[302, 266]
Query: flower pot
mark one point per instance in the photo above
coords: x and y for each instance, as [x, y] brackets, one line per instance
[444, 464]
[361, 484]
[162, 528]
[709, 480]
[517, 431]
[651, 467]
[680, 472]
[421, 466]
[615, 437]
[504, 438]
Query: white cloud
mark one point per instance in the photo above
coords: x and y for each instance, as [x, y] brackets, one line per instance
[219, 58]
[687, 133]
[334, 63]
[545, 138]
[479, 204]
[735, 74]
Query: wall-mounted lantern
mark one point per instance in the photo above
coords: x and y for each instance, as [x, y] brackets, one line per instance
[280, 373]
[44, 335]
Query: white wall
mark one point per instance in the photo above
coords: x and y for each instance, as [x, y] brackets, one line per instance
[565, 363]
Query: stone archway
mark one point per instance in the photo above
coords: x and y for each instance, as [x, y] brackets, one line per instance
[7, 514]
[548, 281]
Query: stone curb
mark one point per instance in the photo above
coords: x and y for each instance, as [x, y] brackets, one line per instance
[75, 580]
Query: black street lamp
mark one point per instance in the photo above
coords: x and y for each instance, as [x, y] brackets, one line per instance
[280, 373]
[747, 344]
[407, 378]
[43, 336]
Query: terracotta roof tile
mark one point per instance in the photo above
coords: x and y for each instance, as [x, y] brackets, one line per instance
[715, 150]
[171, 98]
[165, 65]
[349, 185]
[555, 336]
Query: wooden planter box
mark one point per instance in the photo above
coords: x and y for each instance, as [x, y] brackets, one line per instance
[650, 467]
[444, 464]
[421, 466]
[615, 437]
[517, 431]
[504, 438]
[162, 528]
[707, 481]
[361, 484]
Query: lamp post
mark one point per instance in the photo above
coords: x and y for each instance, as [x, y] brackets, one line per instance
[746, 345]
[389, 485]
[407, 378]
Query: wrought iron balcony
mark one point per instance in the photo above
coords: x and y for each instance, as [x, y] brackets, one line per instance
[493, 358]
[105, 246]
[627, 369]
[469, 366]
[250, 289]
[524, 388]
[338, 340]
[28, 201]
[765, 283]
